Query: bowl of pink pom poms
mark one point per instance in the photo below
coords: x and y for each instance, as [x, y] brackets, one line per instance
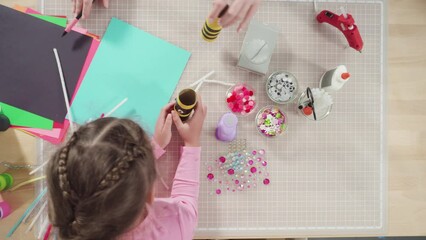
[240, 99]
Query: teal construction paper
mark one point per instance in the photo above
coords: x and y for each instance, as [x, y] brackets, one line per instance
[133, 64]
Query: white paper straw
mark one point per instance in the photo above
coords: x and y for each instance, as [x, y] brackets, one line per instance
[116, 107]
[64, 89]
[201, 79]
[38, 168]
[36, 217]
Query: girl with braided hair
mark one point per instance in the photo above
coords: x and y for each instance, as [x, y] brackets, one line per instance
[101, 182]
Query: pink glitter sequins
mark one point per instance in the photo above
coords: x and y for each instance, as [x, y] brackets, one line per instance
[266, 181]
[210, 176]
[240, 99]
[218, 191]
[238, 170]
[262, 151]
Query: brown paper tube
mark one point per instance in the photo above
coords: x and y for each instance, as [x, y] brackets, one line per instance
[185, 103]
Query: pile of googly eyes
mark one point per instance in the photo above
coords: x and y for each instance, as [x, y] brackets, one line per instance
[281, 87]
[238, 171]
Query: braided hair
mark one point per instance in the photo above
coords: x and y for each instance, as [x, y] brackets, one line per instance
[99, 181]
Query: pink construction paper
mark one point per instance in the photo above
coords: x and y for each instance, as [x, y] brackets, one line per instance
[80, 30]
[53, 140]
[55, 132]
[31, 11]
[56, 135]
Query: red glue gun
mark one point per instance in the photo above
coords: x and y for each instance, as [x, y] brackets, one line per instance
[346, 24]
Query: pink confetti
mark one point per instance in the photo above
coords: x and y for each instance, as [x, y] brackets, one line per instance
[210, 176]
[266, 181]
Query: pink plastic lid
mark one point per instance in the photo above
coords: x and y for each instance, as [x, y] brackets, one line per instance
[5, 210]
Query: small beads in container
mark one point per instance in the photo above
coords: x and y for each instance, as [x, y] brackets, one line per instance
[240, 99]
[271, 121]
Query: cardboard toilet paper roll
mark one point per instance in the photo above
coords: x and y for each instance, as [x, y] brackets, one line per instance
[185, 103]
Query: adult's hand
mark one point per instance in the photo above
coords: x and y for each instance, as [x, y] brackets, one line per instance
[239, 10]
[85, 6]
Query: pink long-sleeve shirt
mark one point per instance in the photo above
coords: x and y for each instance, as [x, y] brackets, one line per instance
[173, 218]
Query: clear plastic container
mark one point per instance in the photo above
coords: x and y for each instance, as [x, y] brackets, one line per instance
[271, 121]
[244, 107]
[282, 87]
[319, 114]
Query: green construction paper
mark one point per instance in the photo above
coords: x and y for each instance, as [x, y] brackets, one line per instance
[133, 64]
[55, 20]
[23, 118]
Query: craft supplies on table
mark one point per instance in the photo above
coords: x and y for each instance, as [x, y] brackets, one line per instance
[30, 76]
[185, 103]
[5, 208]
[282, 87]
[345, 24]
[241, 99]
[271, 121]
[134, 64]
[37, 89]
[211, 30]
[226, 129]
[318, 186]
[237, 171]
[334, 79]
[258, 47]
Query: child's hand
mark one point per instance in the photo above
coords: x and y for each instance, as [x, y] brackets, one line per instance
[163, 128]
[86, 6]
[239, 10]
[190, 131]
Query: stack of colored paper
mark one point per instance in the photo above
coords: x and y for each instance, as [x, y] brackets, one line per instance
[31, 93]
[129, 64]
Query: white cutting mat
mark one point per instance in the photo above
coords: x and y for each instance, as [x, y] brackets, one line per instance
[327, 177]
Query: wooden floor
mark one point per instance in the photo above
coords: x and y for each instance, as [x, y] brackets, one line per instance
[406, 128]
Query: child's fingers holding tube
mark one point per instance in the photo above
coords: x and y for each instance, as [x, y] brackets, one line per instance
[168, 123]
[177, 121]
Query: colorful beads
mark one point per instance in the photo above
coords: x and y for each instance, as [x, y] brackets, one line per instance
[238, 171]
[266, 181]
[240, 99]
[210, 176]
[271, 121]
